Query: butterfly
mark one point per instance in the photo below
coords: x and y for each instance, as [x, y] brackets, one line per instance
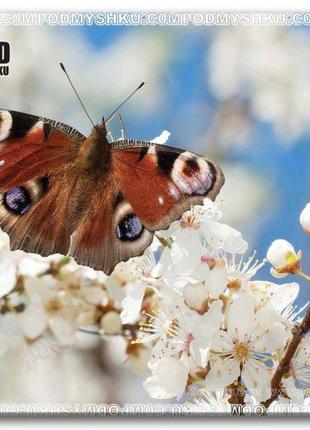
[97, 201]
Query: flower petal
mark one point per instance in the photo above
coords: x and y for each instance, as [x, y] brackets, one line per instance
[217, 280]
[62, 330]
[7, 275]
[4, 242]
[33, 322]
[269, 339]
[164, 264]
[203, 333]
[222, 342]
[222, 236]
[131, 304]
[168, 380]
[241, 322]
[162, 138]
[222, 373]
[201, 272]
[257, 378]
[195, 295]
[186, 251]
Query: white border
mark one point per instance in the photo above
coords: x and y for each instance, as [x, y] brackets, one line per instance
[151, 5]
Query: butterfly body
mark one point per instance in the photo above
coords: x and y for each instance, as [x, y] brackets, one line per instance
[97, 201]
[95, 153]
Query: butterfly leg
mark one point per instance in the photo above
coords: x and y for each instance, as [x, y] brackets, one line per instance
[109, 133]
[122, 125]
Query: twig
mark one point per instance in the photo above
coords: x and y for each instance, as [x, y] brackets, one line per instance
[236, 392]
[298, 332]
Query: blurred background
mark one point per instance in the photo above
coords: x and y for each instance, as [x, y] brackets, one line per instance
[240, 95]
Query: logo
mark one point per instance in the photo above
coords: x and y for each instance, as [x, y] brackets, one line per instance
[5, 54]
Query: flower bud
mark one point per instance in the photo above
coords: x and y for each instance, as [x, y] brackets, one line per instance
[138, 357]
[111, 323]
[281, 254]
[195, 296]
[305, 218]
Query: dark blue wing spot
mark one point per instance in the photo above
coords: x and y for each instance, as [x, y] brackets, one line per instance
[17, 200]
[130, 228]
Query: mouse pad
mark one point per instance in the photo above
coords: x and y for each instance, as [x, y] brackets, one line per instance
[154, 213]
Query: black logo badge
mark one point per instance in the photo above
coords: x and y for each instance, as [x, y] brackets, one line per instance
[5, 54]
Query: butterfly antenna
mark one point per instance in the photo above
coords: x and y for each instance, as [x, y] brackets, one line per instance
[109, 119]
[77, 94]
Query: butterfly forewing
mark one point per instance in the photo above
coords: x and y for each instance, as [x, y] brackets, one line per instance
[31, 147]
[162, 182]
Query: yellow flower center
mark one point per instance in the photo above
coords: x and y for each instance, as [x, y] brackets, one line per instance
[53, 305]
[189, 220]
[241, 351]
[292, 263]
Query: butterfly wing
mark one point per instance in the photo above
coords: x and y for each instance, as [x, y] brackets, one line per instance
[37, 182]
[162, 182]
[147, 187]
[110, 231]
[31, 146]
[49, 205]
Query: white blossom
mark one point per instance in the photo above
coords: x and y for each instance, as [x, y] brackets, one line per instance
[305, 218]
[138, 358]
[4, 242]
[131, 304]
[36, 319]
[202, 314]
[111, 323]
[282, 256]
[211, 402]
[239, 268]
[7, 275]
[241, 350]
[300, 364]
[169, 378]
[177, 329]
[280, 297]
[162, 139]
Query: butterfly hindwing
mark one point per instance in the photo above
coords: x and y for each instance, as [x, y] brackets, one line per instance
[36, 181]
[110, 231]
[41, 215]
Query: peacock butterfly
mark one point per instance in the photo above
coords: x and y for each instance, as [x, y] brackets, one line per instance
[96, 201]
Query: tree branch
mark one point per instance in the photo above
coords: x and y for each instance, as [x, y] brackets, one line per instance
[236, 392]
[298, 332]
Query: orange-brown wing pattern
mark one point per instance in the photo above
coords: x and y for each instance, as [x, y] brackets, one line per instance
[162, 182]
[51, 201]
[110, 231]
[31, 147]
[37, 182]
